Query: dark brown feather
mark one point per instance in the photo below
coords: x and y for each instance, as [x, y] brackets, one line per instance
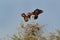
[36, 13]
[26, 17]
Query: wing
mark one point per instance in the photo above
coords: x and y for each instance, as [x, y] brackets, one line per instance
[23, 15]
[27, 17]
[38, 11]
[29, 14]
[35, 17]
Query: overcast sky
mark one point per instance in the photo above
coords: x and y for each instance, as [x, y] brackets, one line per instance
[10, 11]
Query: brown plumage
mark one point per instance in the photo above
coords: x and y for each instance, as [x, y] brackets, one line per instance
[36, 13]
[26, 16]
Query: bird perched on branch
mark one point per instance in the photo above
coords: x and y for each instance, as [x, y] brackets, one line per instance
[36, 13]
[26, 16]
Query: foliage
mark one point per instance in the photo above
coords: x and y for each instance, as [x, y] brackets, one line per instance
[34, 32]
